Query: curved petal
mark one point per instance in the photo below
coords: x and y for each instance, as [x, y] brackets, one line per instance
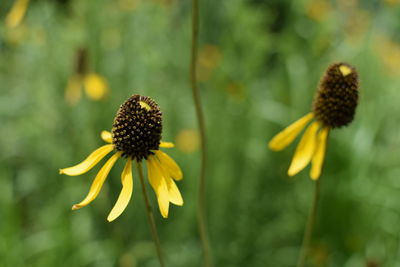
[89, 162]
[159, 186]
[95, 86]
[98, 182]
[170, 165]
[106, 136]
[16, 14]
[73, 90]
[305, 150]
[126, 192]
[318, 158]
[286, 137]
[166, 144]
[174, 194]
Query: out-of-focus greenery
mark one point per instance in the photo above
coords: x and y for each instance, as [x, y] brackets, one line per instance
[259, 66]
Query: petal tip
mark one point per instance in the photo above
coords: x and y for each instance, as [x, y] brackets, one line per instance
[76, 207]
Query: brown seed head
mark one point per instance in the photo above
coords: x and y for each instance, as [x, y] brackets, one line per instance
[337, 96]
[137, 127]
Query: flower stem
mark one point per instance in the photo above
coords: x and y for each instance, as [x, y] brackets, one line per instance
[201, 216]
[150, 216]
[309, 227]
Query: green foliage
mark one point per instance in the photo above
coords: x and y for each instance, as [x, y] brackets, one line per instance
[266, 61]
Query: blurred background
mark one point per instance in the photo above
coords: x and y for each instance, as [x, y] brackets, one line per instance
[67, 65]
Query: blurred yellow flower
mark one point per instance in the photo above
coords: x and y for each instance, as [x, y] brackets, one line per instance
[334, 107]
[17, 13]
[95, 86]
[136, 135]
[389, 53]
[209, 58]
[392, 2]
[318, 9]
[188, 141]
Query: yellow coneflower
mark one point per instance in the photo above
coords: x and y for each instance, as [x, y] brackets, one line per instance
[136, 135]
[17, 13]
[334, 106]
[94, 84]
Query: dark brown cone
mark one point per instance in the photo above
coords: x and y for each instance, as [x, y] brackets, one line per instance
[137, 128]
[337, 96]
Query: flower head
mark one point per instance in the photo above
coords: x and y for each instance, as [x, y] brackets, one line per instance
[95, 85]
[136, 135]
[334, 106]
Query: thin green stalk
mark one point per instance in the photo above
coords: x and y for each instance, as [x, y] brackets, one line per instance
[309, 227]
[150, 216]
[201, 216]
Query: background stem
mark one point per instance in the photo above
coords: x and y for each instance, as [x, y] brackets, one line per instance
[201, 216]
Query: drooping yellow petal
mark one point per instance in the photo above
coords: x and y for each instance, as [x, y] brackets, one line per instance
[126, 192]
[106, 136]
[317, 160]
[305, 150]
[166, 144]
[16, 14]
[170, 165]
[159, 185]
[98, 182]
[89, 162]
[73, 91]
[96, 86]
[286, 137]
[174, 194]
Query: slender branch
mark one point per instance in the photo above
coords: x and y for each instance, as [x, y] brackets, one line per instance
[202, 221]
[309, 227]
[150, 216]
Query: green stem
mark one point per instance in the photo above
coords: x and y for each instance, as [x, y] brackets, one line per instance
[309, 227]
[201, 216]
[150, 216]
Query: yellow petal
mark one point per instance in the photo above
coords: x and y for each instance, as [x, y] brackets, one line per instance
[98, 182]
[305, 150]
[319, 155]
[89, 162]
[170, 165]
[73, 90]
[126, 192]
[345, 70]
[95, 86]
[159, 185]
[106, 136]
[16, 13]
[174, 194]
[286, 137]
[166, 144]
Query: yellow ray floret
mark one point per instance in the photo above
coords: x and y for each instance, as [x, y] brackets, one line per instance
[174, 194]
[345, 70]
[318, 158]
[95, 86]
[89, 162]
[106, 136]
[305, 150]
[98, 182]
[126, 192]
[166, 144]
[286, 137]
[170, 165]
[16, 13]
[73, 90]
[159, 185]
